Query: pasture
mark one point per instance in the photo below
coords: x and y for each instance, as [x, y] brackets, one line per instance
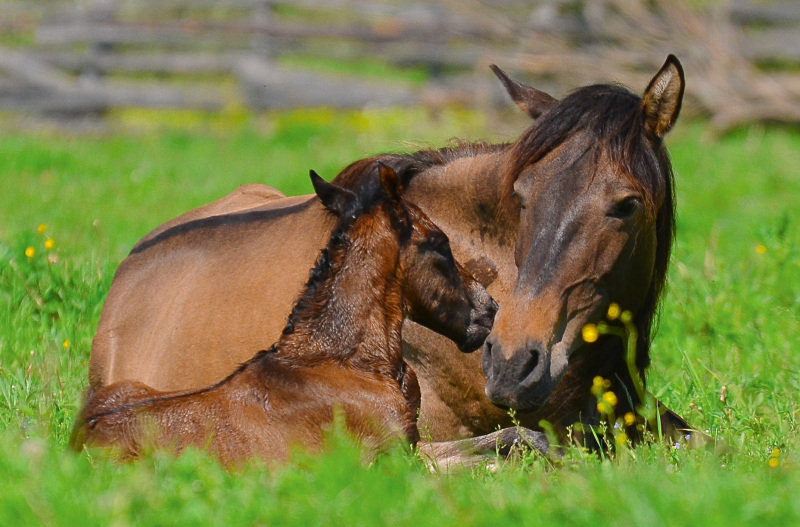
[726, 355]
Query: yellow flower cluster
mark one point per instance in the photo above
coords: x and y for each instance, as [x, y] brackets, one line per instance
[591, 331]
[774, 458]
[606, 399]
[629, 418]
[49, 243]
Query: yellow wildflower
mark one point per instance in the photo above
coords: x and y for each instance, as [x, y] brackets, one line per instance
[597, 382]
[613, 311]
[590, 333]
[776, 452]
[773, 462]
[761, 249]
[626, 316]
[49, 243]
[629, 418]
[610, 398]
[622, 438]
[66, 344]
[41, 228]
[30, 252]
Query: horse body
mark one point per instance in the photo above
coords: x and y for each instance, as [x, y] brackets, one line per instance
[180, 298]
[555, 225]
[341, 348]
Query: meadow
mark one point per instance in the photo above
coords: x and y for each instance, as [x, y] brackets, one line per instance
[726, 355]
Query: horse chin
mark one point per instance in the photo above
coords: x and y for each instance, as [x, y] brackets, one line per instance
[480, 325]
[526, 402]
[475, 336]
[526, 396]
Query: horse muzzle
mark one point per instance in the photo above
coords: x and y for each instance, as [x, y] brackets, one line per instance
[523, 378]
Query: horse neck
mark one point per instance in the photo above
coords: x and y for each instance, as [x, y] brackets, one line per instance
[475, 189]
[471, 199]
[355, 314]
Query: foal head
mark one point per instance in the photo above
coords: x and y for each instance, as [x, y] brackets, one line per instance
[440, 294]
[594, 183]
[437, 291]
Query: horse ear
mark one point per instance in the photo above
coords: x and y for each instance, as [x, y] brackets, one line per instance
[335, 198]
[530, 100]
[391, 183]
[661, 102]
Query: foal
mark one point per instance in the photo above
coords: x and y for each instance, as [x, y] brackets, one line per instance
[340, 349]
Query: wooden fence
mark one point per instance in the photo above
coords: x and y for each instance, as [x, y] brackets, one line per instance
[78, 58]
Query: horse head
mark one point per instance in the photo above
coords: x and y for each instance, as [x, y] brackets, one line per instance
[594, 185]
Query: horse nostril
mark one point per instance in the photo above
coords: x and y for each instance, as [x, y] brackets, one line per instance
[486, 358]
[528, 362]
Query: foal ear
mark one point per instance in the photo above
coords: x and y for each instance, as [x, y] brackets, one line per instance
[661, 102]
[335, 198]
[530, 100]
[391, 183]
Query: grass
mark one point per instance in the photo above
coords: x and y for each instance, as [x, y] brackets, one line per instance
[724, 356]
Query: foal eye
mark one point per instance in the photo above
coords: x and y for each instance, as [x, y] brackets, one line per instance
[439, 245]
[625, 208]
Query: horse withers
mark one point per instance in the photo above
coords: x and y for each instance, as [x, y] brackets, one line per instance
[341, 347]
[576, 213]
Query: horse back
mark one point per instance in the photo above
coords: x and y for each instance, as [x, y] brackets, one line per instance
[177, 290]
[243, 198]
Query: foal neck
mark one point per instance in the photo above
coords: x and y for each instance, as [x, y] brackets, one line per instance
[352, 309]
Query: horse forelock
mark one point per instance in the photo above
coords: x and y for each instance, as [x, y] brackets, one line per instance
[610, 117]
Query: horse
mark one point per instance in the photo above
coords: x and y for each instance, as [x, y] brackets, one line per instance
[341, 348]
[574, 214]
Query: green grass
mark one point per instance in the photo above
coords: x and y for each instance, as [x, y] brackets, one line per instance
[725, 355]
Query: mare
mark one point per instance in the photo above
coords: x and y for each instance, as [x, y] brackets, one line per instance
[341, 347]
[576, 213]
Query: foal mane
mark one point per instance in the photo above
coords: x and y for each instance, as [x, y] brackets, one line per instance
[612, 118]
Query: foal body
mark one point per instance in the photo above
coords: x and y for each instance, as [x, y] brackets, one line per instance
[342, 348]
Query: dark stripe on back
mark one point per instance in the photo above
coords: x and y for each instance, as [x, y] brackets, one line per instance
[212, 222]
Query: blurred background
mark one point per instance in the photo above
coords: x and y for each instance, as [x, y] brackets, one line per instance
[83, 59]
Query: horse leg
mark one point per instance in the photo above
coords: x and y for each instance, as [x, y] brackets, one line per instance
[473, 451]
[677, 430]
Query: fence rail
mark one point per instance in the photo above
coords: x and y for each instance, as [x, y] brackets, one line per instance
[86, 57]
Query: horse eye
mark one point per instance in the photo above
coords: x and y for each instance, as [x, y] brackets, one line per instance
[439, 244]
[625, 208]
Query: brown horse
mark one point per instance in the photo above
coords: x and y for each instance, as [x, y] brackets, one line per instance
[342, 347]
[576, 213]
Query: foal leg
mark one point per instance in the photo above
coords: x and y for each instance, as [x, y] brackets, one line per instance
[473, 451]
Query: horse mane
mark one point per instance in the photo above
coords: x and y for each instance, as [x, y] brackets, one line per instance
[612, 117]
[364, 182]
